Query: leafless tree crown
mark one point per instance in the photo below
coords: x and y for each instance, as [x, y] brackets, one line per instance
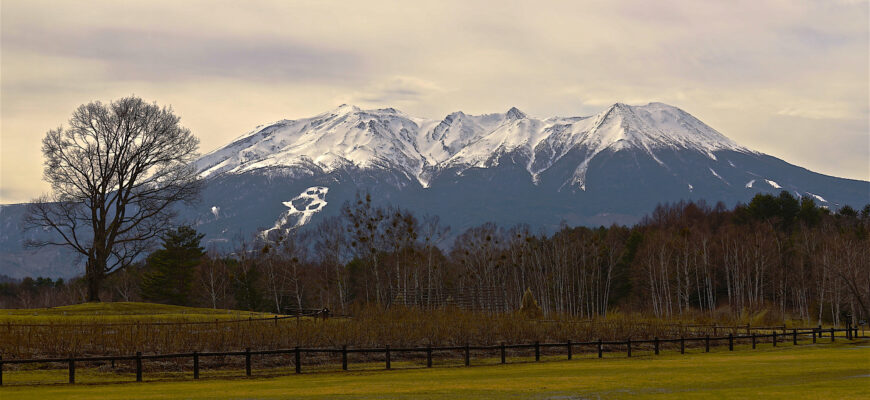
[115, 173]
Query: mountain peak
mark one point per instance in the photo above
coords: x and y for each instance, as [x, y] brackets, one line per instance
[657, 125]
[660, 105]
[619, 106]
[390, 110]
[515, 113]
[345, 109]
[651, 106]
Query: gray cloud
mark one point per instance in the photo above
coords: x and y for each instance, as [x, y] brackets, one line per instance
[398, 89]
[139, 54]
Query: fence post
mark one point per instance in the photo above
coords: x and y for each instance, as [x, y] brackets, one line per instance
[753, 340]
[730, 342]
[113, 363]
[502, 353]
[72, 370]
[832, 335]
[600, 348]
[794, 337]
[195, 365]
[707, 344]
[276, 320]
[849, 331]
[248, 361]
[682, 345]
[774, 338]
[656, 343]
[138, 366]
[344, 357]
[298, 358]
[428, 356]
[387, 356]
[715, 330]
[537, 351]
[467, 356]
[628, 346]
[569, 349]
[814, 335]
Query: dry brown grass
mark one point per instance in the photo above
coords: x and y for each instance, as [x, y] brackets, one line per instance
[369, 327]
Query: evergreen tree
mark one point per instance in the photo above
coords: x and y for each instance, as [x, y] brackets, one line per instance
[247, 286]
[169, 271]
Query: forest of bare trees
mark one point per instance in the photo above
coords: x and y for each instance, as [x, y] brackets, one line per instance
[777, 255]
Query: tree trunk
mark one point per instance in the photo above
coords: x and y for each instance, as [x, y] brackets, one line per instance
[94, 277]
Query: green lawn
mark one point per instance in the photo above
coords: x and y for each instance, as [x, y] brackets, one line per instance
[835, 371]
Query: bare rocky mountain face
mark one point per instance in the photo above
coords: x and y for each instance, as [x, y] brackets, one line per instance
[509, 168]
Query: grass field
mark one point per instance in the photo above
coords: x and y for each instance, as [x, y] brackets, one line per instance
[119, 312]
[835, 371]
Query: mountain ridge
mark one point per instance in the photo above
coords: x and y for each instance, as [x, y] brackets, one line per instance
[611, 167]
[423, 147]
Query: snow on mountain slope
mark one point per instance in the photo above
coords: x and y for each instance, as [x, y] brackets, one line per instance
[454, 133]
[513, 132]
[344, 136]
[648, 128]
[387, 138]
[300, 210]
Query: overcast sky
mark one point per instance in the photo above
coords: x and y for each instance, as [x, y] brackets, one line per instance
[788, 78]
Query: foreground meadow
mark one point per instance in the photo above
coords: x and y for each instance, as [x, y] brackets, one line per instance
[839, 371]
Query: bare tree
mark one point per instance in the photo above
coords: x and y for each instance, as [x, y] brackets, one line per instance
[213, 278]
[330, 244]
[433, 234]
[115, 174]
[365, 233]
[125, 284]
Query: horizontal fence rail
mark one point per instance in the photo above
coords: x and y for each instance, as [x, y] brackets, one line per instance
[298, 353]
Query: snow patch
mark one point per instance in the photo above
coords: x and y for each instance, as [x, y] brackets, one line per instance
[712, 171]
[773, 184]
[300, 210]
[691, 188]
[215, 210]
[817, 197]
[750, 183]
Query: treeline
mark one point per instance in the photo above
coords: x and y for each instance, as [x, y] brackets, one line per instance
[779, 255]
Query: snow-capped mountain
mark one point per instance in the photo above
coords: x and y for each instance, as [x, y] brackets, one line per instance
[510, 168]
[420, 148]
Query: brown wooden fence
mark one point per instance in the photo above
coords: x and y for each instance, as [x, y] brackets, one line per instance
[429, 352]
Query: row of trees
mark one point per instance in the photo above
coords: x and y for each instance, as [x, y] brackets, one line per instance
[777, 254]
